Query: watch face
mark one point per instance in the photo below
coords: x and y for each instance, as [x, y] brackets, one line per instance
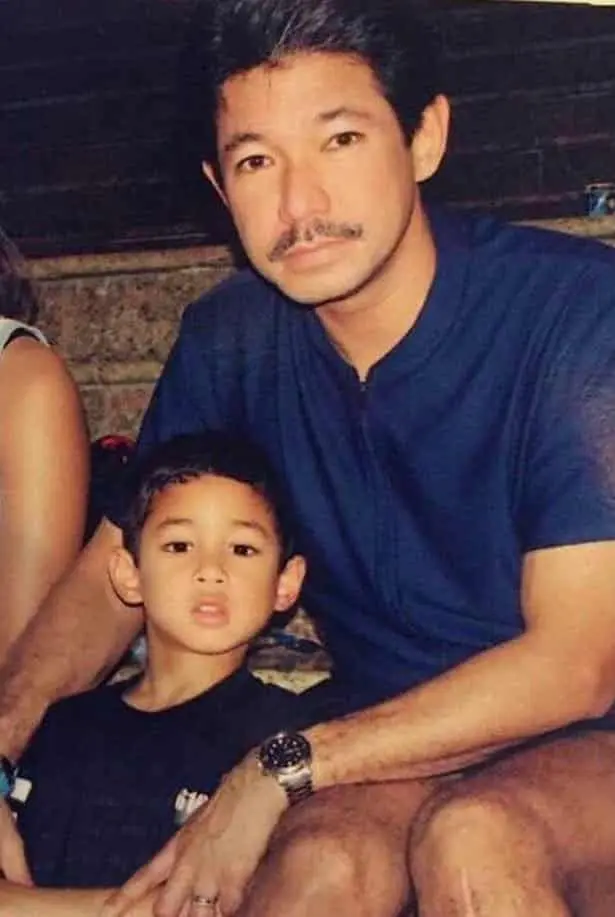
[285, 750]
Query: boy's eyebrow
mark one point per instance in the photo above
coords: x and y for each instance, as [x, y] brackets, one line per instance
[238, 523]
[237, 140]
[253, 524]
[174, 520]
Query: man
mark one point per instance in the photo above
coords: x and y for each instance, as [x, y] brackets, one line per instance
[438, 392]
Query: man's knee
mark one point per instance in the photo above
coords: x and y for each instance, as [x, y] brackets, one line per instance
[461, 828]
[314, 859]
[325, 847]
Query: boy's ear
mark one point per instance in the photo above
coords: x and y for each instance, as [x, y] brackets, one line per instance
[124, 576]
[210, 174]
[429, 142]
[290, 582]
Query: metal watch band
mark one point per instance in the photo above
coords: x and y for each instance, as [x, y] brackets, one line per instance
[298, 791]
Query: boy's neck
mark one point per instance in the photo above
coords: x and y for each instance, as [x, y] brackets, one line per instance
[174, 676]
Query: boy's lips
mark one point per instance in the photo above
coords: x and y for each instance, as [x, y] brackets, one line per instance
[212, 612]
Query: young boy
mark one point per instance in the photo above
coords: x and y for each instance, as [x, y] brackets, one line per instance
[113, 772]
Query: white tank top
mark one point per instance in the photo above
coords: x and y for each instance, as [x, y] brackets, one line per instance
[8, 326]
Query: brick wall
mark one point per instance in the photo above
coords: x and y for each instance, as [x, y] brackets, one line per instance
[114, 318]
[88, 151]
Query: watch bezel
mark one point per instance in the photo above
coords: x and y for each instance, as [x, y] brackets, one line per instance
[285, 753]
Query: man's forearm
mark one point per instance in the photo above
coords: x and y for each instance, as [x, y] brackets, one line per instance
[500, 698]
[81, 629]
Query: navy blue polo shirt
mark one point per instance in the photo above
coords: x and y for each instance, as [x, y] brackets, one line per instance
[487, 432]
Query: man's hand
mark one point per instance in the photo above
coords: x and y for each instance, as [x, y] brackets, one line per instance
[13, 865]
[215, 854]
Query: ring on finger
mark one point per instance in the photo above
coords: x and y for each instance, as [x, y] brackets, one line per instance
[204, 900]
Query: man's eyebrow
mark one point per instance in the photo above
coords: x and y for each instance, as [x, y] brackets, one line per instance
[344, 111]
[238, 140]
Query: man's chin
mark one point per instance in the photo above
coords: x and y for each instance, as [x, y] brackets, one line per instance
[314, 292]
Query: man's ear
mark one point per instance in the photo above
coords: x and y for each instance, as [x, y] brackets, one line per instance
[212, 175]
[290, 582]
[124, 576]
[428, 145]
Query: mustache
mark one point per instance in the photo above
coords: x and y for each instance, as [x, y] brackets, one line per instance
[319, 229]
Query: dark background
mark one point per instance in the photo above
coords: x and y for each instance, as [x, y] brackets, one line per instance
[88, 153]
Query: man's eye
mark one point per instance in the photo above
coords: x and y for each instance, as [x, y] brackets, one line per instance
[344, 138]
[252, 163]
[244, 550]
[176, 547]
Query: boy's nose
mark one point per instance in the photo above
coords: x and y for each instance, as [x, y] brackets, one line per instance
[210, 571]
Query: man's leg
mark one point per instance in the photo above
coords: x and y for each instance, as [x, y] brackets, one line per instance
[341, 853]
[532, 835]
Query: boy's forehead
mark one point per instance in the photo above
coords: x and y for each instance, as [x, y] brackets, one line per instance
[198, 493]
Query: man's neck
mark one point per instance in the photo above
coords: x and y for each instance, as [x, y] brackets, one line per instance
[366, 326]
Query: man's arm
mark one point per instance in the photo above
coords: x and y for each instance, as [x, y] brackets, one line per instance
[79, 632]
[561, 669]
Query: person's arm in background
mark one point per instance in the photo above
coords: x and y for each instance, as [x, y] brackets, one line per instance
[44, 475]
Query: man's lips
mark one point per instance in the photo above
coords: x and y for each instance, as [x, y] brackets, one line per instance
[312, 249]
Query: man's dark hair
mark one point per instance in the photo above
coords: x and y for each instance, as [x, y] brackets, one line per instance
[228, 37]
[17, 297]
[195, 455]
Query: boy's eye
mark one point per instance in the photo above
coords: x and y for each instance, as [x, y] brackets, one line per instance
[176, 547]
[244, 550]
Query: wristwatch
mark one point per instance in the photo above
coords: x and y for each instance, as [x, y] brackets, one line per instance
[8, 775]
[287, 757]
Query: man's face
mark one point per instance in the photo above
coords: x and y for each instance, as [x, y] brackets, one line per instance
[317, 174]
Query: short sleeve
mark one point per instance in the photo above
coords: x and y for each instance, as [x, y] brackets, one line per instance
[568, 471]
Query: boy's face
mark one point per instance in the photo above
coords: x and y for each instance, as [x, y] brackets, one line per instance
[319, 179]
[209, 567]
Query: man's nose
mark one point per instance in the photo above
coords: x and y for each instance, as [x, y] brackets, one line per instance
[302, 194]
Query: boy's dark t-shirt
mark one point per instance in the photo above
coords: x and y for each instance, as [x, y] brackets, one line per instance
[110, 784]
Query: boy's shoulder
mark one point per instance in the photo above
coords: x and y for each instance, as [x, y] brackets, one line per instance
[87, 707]
[68, 721]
